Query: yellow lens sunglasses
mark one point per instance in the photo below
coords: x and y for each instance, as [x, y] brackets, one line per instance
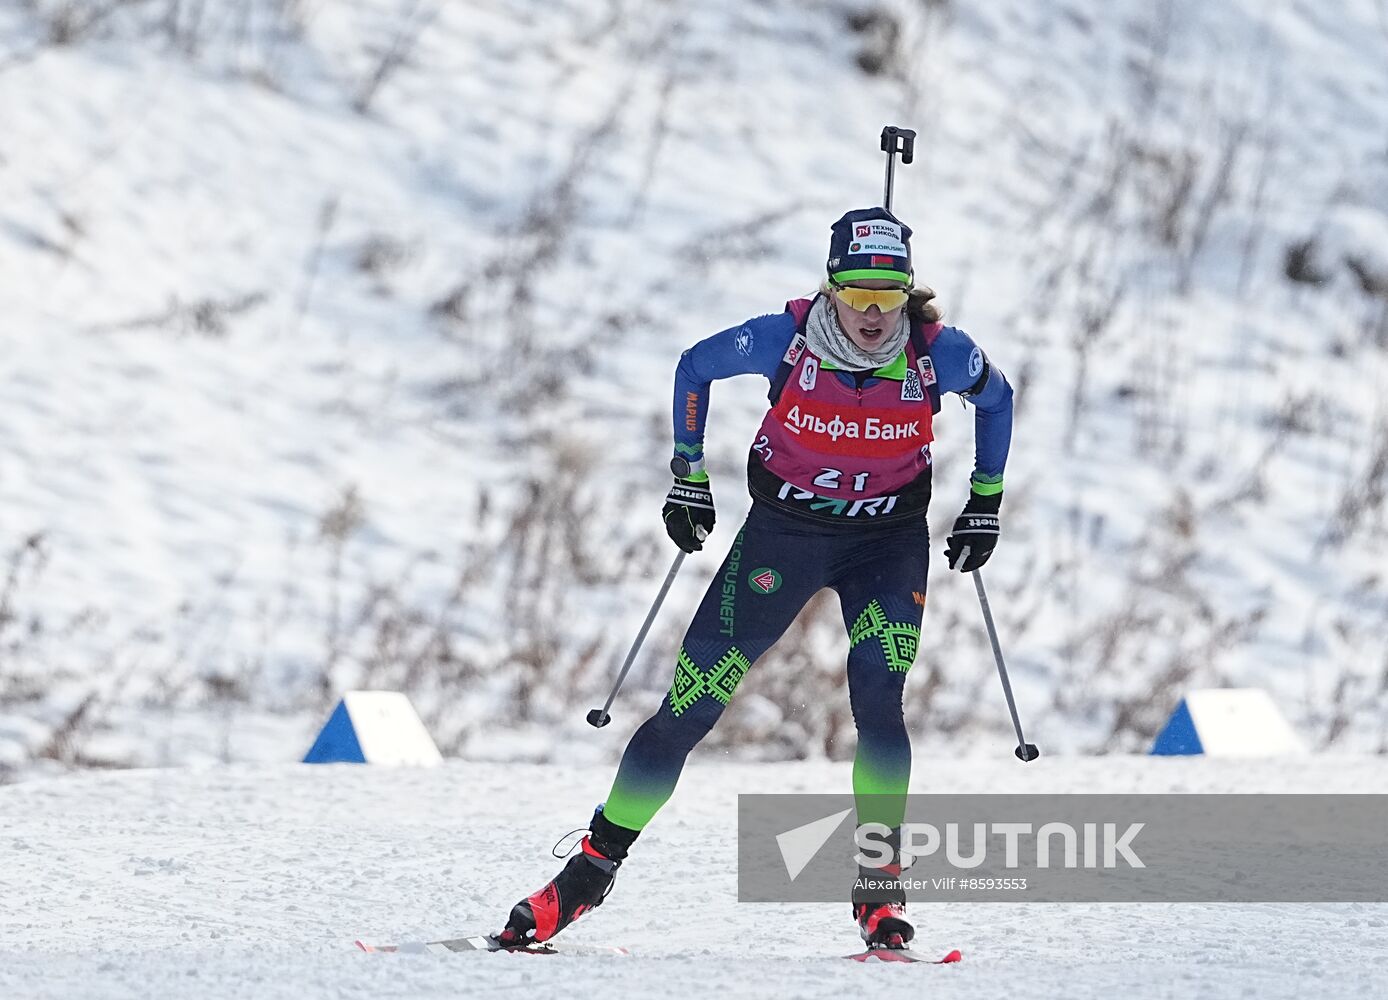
[861, 299]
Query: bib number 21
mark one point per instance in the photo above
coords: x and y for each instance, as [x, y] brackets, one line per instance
[829, 480]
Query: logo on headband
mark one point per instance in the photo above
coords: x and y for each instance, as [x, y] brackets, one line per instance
[877, 230]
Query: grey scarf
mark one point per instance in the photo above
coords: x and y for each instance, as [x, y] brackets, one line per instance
[827, 339]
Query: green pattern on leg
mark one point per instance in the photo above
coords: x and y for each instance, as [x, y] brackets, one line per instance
[688, 685]
[728, 674]
[721, 681]
[869, 623]
[899, 641]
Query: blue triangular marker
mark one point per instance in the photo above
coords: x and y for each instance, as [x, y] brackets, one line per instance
[337, 743]
[1179, 737]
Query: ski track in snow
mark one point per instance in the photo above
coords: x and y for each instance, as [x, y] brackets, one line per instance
[254, 881]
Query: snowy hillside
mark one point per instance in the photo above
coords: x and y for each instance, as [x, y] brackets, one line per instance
[337, 342]
[237, 882]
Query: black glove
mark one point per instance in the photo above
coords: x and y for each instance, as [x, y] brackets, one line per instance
[976, 529]
[688, 513]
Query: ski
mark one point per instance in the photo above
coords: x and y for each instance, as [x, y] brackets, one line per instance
[903, 955]
[487, 943]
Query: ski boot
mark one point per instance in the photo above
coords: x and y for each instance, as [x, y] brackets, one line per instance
[581, 886]
[879, 903]
[883, 925]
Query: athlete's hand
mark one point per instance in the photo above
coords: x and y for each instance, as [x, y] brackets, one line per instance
[688, 513]
[975, 531]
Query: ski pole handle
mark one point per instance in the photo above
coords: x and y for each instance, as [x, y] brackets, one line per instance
[599, 717]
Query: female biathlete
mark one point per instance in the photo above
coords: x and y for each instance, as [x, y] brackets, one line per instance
[840, 479]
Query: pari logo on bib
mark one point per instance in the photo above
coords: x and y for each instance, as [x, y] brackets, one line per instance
[870, 244]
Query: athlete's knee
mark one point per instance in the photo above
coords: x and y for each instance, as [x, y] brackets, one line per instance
[683, 730]
[874, 692]
[887, 636]
[703, 687]
[869, 676]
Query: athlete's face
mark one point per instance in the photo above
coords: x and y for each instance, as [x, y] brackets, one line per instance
[868, 329]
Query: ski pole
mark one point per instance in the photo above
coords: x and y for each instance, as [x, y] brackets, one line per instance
[896, 140]
[903, 140]
[1025, 751]
[599, 717]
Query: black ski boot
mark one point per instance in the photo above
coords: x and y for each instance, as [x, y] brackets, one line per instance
[879, 903]
[582, 886]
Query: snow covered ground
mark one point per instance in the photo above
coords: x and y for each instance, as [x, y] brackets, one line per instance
[335, 348]
[234, 882]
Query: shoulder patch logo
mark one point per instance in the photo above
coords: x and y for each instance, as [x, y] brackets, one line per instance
[744, 341]
[976, 363]
[796, 348]
[911, 388]
[927, 370]
[765, 580]
[809, 374]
